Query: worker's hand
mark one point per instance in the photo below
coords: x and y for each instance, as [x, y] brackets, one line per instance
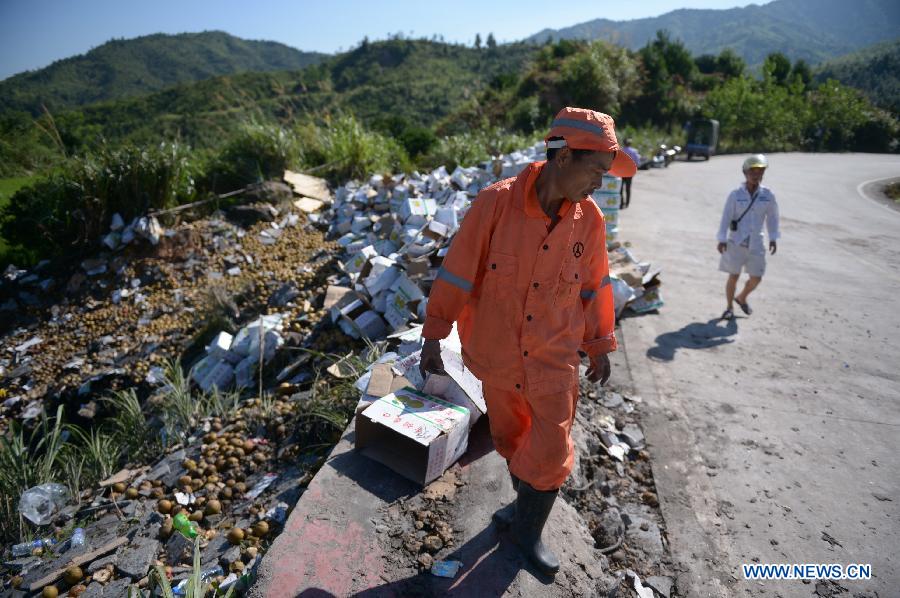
[722, 247]
[431, 362]
[600, 369]
[772, 247]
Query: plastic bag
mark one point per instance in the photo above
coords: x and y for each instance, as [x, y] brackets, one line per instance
[40, 504]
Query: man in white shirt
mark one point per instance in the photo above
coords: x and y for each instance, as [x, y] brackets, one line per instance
[740, 234]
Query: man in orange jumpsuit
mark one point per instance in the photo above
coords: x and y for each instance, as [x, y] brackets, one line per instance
[527, 280]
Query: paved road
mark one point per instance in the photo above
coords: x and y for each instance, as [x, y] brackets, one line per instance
[775, 439]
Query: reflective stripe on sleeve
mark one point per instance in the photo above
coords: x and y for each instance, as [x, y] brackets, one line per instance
[455, 280]
[588, 295]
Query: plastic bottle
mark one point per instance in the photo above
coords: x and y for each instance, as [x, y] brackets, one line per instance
[77, 540]
[185, 526]
[205, 577]
[26, 548]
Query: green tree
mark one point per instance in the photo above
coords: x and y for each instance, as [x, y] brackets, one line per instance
[491, 42]
[477, 41]
[602, 76]
[668, 70]
[730, 64]
[802, 72]
[706, 64]
[777, 67]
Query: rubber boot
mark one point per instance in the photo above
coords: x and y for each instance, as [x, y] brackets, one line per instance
[532, 510]
[503, 518]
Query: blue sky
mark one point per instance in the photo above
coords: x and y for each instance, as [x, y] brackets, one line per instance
[34, 33]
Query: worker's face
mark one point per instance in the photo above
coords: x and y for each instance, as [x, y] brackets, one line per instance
[581, 176]
[754, 176]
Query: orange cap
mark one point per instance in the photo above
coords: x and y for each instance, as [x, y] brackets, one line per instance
[591, 130]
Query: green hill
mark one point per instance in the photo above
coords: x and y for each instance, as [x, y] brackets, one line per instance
[812, 30]
[413, 80]
[124, 68]
[875, 70]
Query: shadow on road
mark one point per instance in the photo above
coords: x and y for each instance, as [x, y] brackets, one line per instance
[696, 335]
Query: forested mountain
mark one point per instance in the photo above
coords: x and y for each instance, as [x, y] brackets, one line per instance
[812, 30]
[130, 67]
[875, 70]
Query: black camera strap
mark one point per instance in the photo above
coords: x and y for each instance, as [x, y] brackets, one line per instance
[752, 199]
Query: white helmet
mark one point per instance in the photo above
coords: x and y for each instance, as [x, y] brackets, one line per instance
[755, 161]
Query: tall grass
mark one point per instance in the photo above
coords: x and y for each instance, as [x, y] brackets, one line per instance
[258, 152]
[342, 148]
[130, 426]
[99, 450]
[72, 208]
[470, 148]
[195, 587]
[27, 460]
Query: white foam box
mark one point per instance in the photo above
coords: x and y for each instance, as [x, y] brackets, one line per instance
[403, 302]
[417, 206]
[355, 264]
[612, 233]
[606, 200]
[416, 435]
[371, 325]
[378, 267]
[220, 377]
[397, 313]
[611, 184]
[436, 230]
[449, 217]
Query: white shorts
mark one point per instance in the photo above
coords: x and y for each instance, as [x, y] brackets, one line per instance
[738, 256]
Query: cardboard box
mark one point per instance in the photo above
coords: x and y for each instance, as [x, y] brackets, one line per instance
[416, 435]
[381, 380]
[309, 186]
[611, 217]
[309, 205]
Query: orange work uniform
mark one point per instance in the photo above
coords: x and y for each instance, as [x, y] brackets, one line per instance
[526, 298]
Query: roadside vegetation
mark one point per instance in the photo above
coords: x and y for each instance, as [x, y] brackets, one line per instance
[893, 191]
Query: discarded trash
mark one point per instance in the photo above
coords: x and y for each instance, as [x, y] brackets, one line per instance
[77, 539]
[206, 575]
[184, 526]
[642, 592]
[278, 513]
[261, 485]
[446, 568]
[26, 548]
[185, 498]
[41, 503]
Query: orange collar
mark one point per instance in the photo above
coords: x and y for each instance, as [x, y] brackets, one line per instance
[531, 205]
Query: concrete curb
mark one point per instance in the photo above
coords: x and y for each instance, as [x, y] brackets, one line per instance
[330, 547]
